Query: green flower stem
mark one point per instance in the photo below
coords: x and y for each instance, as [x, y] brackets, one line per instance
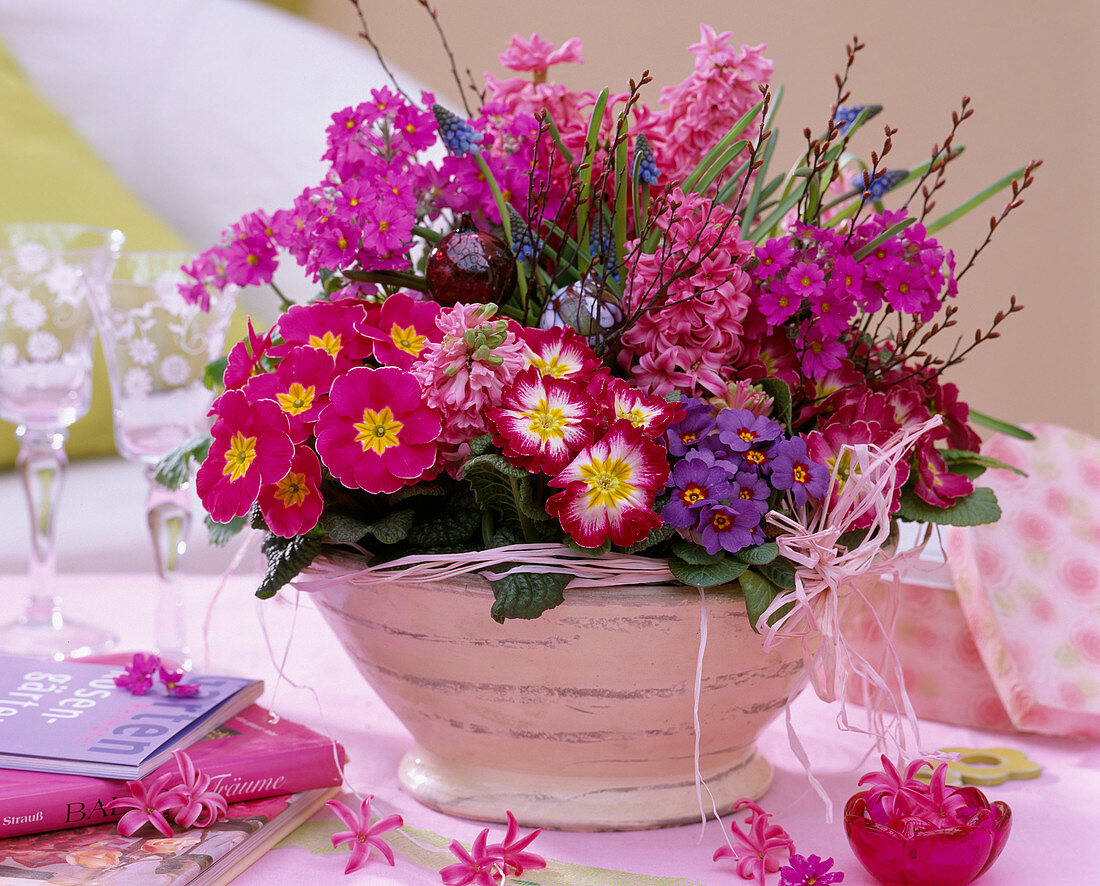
[389, 278]
[716, 157]
[959, 211]
[428, 234]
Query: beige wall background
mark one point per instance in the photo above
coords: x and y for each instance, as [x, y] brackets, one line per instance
[1032, 73]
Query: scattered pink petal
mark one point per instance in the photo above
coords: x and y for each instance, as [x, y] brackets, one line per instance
[362, 835]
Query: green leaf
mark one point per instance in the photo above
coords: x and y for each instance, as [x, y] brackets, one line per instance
[759, 554]
[756, 195]
[883, 237]
[727, 157]
[496, 486]
[573, 545]
[213, 373]
[433, 488]
[959, 211]
[715, 154]
[780, 392]
[481, 445]
[779, 571]
[342, 529]
[785, 205]
[448, 526]
[976, 509]
[527, 594]
[955, 457]
[655, 537]
[222, 533]
[286, 558]
[996, 424]
[175, 468]
[722, 572]
[693, 554]
[759, 595]
[393, 527]
[529, 504]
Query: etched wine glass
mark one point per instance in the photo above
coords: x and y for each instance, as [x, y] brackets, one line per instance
[157, 346]
[48, 274]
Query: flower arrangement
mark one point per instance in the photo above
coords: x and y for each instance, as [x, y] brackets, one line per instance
[575, 322]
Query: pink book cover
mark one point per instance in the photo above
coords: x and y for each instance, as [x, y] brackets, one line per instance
[211, 856]
[250, 756]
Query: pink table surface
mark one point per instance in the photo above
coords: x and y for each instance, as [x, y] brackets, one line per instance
[1056, 816]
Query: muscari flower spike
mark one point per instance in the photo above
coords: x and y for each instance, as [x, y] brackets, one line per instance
[846, 115]
[644, 168]
[457, 135]
[525, 245]
[886, 183]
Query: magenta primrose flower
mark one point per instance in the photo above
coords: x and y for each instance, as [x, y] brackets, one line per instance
[174, 685]
[762, 850]
[293, 504]
[811, 871]
[361, 834]
[300, 385]
[404, 329]
[251, 447]
[138, 678]
[333, 327]
[376, 433]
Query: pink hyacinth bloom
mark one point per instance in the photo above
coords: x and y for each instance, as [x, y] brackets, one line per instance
[199, 806]
[376, 433]
[361, 834]
[609, 488]
[511, 850]
[477, 867]
[537, 54]
[251, 447]
[148, 804]
[293, 504]
[762, 849]
[542, 422]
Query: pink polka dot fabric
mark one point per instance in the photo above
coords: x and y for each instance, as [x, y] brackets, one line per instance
[1029, 585]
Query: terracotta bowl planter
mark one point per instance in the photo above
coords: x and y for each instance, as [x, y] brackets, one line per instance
[581, 719]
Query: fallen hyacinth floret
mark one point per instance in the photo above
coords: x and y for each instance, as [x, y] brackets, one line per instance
[490, 865]
[809, 871]
[762, 850]
[137, 678]
[361, 834]
[188, 800]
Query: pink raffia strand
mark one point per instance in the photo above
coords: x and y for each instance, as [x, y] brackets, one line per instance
[606, 570]
[826, 573]
[362, 835]
[148, 804]
[199, 806]
[760, 851]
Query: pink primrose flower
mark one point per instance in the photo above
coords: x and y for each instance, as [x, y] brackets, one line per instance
[560, 351]
[647, 412]
[543, 422]
[138, 678]
[376, 433]
[537, 54]
[609, 488]
[811, 871]
[826, 447]
[148, 804]
[820, 354]
[361, 834]
[244, 358]
[174, 685]
[199, 806]
[405, 327]
[762, 849]
[936, 485]
[251, 447]
[328, 326]
[293, 504]
[250, 261]
[300, 385]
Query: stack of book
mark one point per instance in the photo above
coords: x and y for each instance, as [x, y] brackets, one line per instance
[71, 739]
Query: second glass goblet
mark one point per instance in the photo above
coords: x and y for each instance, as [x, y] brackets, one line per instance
[156, 347]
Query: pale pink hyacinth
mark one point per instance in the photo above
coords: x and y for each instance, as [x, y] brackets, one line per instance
[460, 381]
[538, 54]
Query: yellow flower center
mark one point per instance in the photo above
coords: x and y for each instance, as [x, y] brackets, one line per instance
[239, 456]
[747, 435]
[546, 422]
[292, 490]
[552, 367]
[297, 398]
[693, 494]
[635, 416]
[408, 339]
[608, 482]
[378, 431]
[328, 342]
[721, 522]
[755, 456]
[801, 475]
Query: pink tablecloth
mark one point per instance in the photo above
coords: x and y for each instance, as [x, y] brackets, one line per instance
[1056, 816]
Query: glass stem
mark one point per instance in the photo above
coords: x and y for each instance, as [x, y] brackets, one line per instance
[168, 512]
[42, 465]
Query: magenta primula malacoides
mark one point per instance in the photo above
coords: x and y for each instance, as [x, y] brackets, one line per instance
[608, 489]
[376, 433]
